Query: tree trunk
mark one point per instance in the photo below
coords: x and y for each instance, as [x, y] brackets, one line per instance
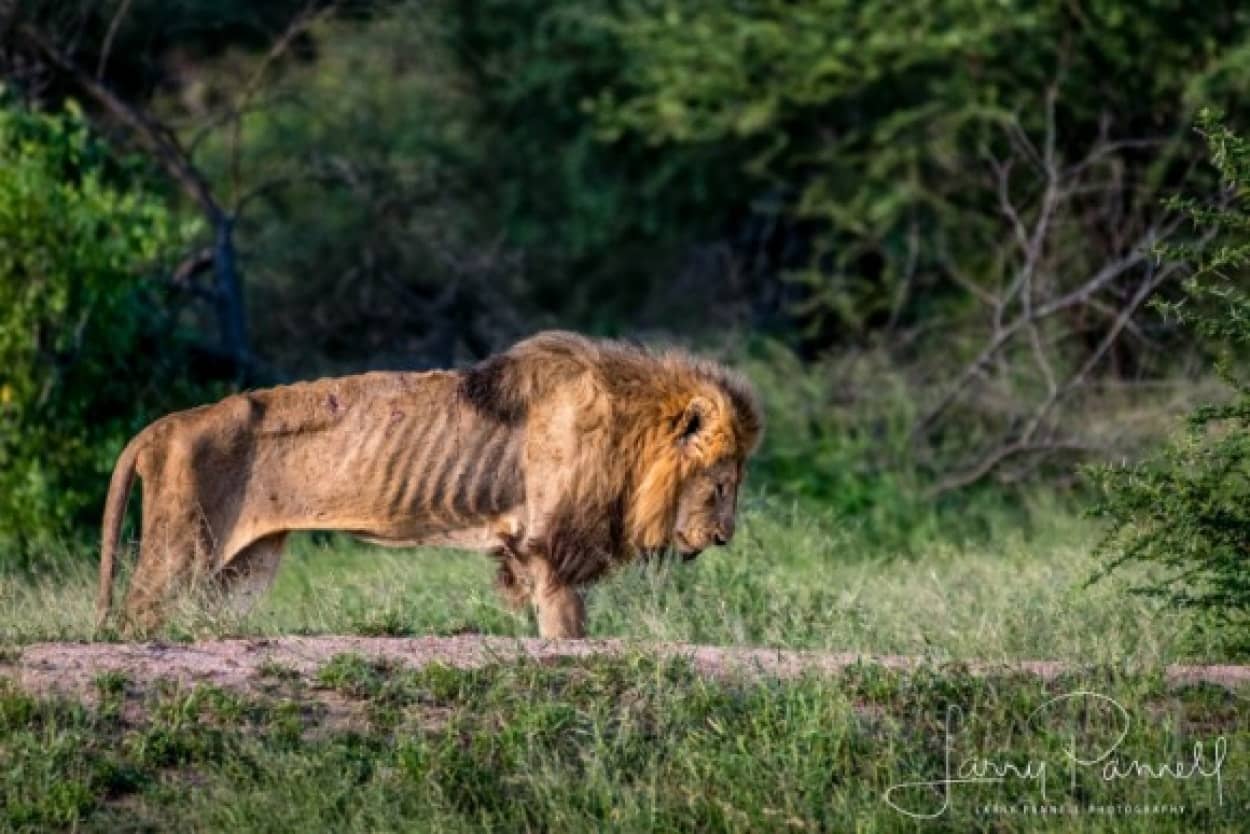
[228, 295]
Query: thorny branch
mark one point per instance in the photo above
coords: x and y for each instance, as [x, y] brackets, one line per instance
[1038, 286]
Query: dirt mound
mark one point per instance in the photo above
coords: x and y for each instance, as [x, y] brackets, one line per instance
[72, 668]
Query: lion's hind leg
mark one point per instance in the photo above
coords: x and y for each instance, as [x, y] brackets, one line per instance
[171, 547]
[249, 573]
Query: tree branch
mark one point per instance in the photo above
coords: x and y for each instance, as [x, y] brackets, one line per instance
[146, 131]
[107, 46]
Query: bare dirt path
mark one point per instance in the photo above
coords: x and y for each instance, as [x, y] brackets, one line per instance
[72, 668]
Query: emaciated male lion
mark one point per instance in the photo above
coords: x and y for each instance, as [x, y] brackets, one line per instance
[563, 456]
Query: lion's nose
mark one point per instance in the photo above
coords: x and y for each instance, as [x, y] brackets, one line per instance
[723, 535]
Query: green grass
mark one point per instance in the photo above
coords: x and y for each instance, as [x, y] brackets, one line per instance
[790, 579]
[627, 744]
[634, 743]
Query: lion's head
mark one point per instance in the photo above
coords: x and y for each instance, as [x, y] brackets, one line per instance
[707, 505]
[690, 466]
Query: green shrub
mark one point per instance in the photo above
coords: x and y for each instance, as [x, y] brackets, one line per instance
[1186, 511]
[865, 128]
[430, 187]
[838, 444]
[85, 354]
[430, 179]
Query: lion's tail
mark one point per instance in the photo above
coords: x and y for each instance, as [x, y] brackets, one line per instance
[114, 514]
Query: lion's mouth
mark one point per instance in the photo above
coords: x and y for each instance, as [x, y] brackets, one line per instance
[685, 549]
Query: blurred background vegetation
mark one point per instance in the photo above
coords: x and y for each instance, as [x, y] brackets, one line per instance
[934, 233]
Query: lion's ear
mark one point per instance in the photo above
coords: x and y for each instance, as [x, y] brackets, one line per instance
[694, 419]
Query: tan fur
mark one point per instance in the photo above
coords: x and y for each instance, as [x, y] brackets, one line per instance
[564, 456]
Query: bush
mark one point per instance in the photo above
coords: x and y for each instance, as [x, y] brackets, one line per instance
[1186, 511]
[838, 447]
[429, 187]
[86, 356]
[864, 131]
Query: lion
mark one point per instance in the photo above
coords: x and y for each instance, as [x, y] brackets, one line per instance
[563, 457]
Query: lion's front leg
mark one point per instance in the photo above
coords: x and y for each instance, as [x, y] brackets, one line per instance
[561, 613]
[561, 610]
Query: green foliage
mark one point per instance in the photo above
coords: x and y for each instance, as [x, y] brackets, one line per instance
[418, 183]
[85, 358]
[364, 240]
[865, 127]
[836, 441]
[424, 181]
[535, 65]
[500, 164]
[839, 442]
[836, 431]
[430, 185]
[1187, 510]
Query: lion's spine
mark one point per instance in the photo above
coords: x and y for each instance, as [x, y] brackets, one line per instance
[114, 515]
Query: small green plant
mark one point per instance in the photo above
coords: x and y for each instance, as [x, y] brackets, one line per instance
[111, 683]
[1186, 511]
[277, 671]
[353, 674]
[387, 623]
